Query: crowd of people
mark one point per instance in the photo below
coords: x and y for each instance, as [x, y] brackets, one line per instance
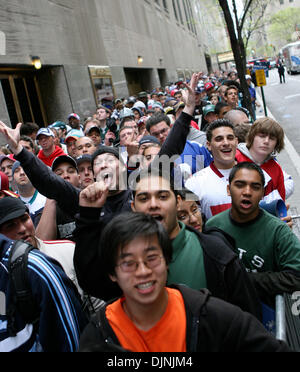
[145, 227]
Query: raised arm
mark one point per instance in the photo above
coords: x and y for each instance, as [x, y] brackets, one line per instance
[42, 178]
[88, 267]
[176, 140]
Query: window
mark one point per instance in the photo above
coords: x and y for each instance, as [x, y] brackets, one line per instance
[186, 15]
[165, 5]
[175, 10]
[179, 11]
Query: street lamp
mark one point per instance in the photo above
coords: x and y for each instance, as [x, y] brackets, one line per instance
[36, 62]
[140, 60]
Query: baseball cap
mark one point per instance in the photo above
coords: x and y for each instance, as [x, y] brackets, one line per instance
[46, 132]
[140, 105]
[179, 105]
[106, 150]
[170, 110]
[199, 89]
[83, 158]
[4, 186]
[149, 139]
[94, 127]
[64, 159]
[73, 115]
[207, 109]
[138, 110]
[59, 125]
[142, 94]
[208, 86]
[11, 208]
[9, 157]
[117, 100]
[126, 113]
[131, 99]
[74, 134]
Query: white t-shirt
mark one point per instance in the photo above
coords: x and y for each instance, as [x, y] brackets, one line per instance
[34, 203]
[210, 185]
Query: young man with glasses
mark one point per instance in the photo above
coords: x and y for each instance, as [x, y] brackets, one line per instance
[150, 317]
[210, 259]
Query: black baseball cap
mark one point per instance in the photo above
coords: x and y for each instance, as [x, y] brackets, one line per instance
[11, 208]
[149, 139]
[83, 158]
[64, 159]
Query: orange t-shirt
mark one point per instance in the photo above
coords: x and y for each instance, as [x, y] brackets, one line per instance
[168, 335]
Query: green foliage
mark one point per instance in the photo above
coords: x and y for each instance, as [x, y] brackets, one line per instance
[284, 24]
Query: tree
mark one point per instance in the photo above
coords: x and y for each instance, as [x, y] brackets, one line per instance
[256, 20]
[235, 26]
[283, 24]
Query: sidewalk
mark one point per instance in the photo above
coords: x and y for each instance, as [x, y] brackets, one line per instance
[290, 162]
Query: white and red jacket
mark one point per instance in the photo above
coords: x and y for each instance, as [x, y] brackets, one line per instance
[278, 184]
[210, 185]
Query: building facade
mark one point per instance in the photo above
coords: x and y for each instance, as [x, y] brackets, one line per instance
[91, 50]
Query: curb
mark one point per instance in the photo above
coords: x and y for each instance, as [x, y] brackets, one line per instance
[289, 148]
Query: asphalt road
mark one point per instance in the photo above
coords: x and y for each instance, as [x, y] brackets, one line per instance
[284, 103]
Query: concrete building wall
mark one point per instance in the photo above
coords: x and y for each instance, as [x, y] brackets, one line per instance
[70, 35]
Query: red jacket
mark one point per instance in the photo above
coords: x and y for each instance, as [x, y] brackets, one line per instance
[48, 160]
[273, 169]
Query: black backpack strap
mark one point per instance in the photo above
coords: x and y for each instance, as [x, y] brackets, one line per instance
[18, 273]
[109, 343]
[227, 239]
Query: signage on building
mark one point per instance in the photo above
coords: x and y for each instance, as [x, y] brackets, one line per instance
[225, 57]
[97, 71]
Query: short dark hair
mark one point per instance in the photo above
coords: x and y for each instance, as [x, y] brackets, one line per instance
[28, 128]
[124, 228]
[155, 169]
[157, 118]
[249, 166]
[127, 119]
[219, 106]
[188, 195]
[231, 87]
[27, 139]
[217, 124]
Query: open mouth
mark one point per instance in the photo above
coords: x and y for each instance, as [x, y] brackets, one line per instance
[226, 151]
[158, 217]
[246, 204]
[145, 288]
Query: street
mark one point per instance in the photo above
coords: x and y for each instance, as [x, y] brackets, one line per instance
[284, 102]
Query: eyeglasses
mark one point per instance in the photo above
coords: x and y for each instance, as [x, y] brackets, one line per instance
[157, 134]
[187, 216]
[150, 262]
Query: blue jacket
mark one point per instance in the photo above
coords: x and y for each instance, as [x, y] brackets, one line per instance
[196, 156]
[61, 318]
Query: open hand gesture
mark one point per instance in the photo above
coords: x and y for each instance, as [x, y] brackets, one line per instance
[189, 95]
[12, 137]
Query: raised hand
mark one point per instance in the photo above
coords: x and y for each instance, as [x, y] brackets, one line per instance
[12, 137]
[189, 95]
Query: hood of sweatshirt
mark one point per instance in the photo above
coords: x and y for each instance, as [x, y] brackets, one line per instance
[245, 151]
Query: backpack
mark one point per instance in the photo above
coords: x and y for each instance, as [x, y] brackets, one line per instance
[22, 300]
